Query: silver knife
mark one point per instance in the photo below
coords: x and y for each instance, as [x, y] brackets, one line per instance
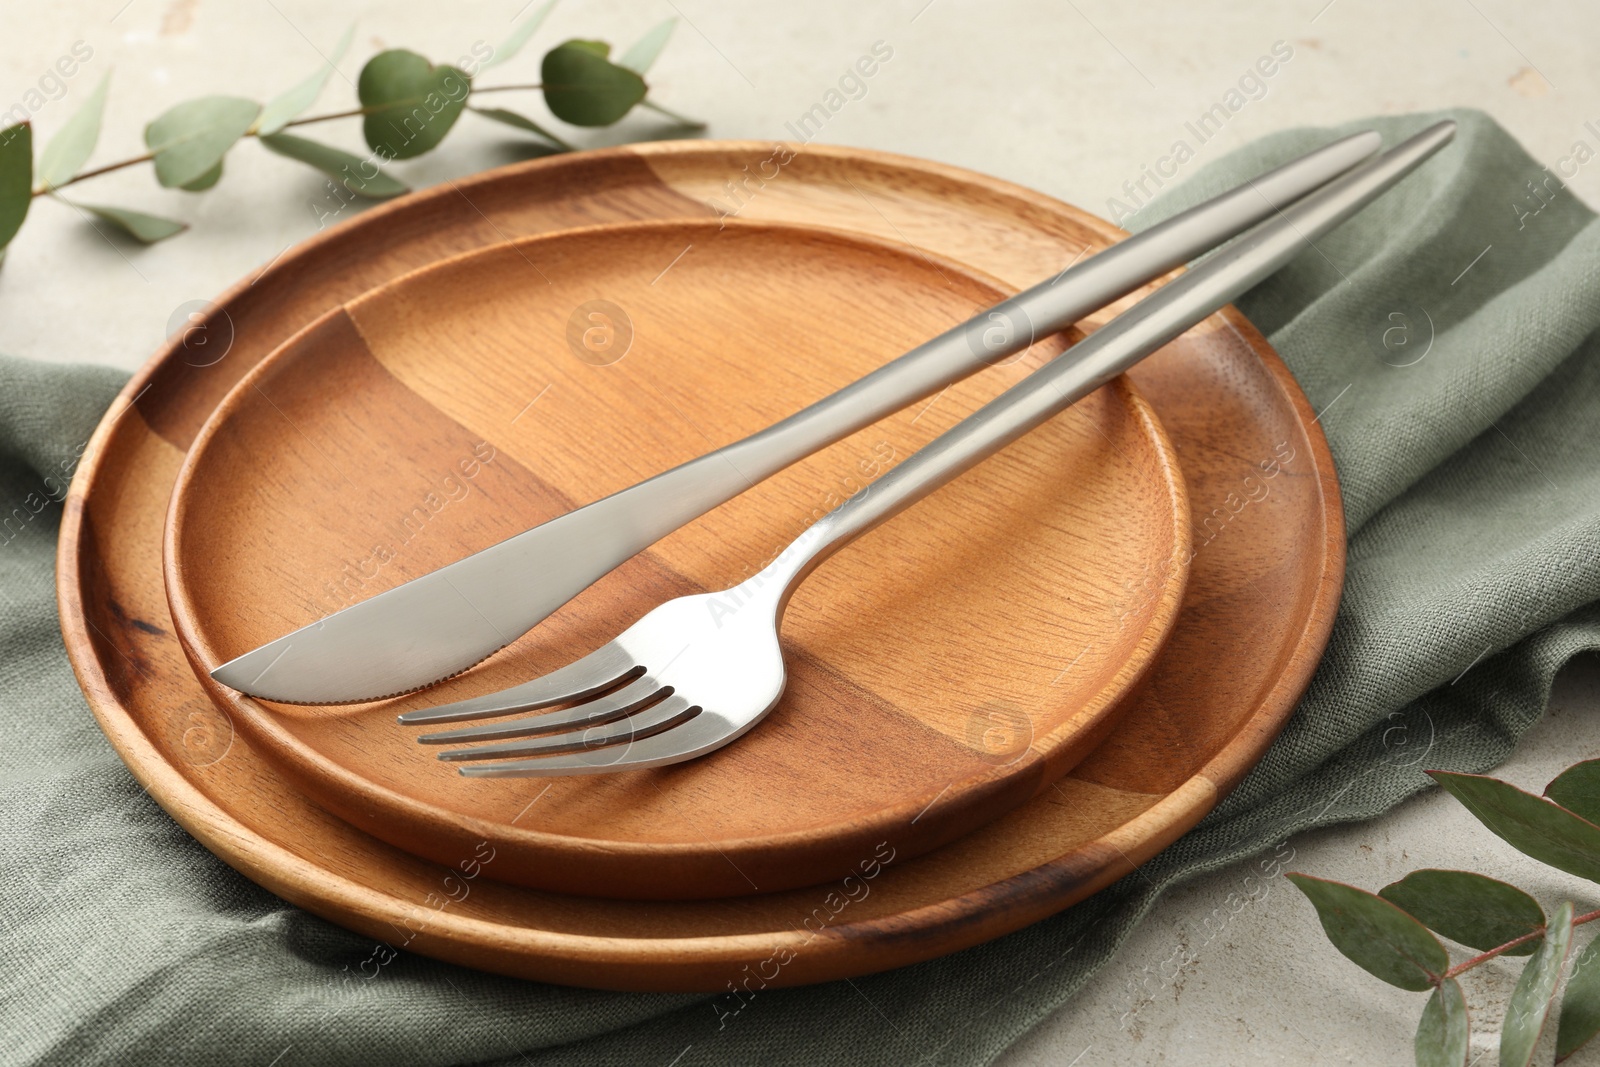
[444, 622]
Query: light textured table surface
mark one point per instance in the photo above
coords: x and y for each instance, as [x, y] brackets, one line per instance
[1073, 99]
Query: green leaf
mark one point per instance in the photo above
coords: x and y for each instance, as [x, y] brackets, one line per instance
[16, 179]
[521, 122]
[416, 102]
[519, 37]
[282, 109]
[1443, 1033]
[146, 229]
[205, 181]
[1530, 824]
[583, 87]
[1530, 1001]
[1470, 908]
[1375, 934]
[682, 120]
[1580, 1004]
[72, 145]
[359, 175]
[645, 50]
[1578, 789]
[190, 139]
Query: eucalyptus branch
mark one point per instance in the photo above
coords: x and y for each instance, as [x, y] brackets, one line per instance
[419, 100]
[1393, 933]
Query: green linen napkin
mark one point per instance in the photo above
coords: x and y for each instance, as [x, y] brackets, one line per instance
[1472, 483]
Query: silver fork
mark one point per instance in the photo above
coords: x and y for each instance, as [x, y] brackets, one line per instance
[699, 671]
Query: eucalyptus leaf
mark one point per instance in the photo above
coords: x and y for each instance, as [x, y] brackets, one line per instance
[645, 50]
[359, 175]
[583, 87]
[1375, 934]
[189, 139]
[72, 145]
[682, 120]
[16, 179]
[1444, 1031]
[519, 37]
[1580, 1003]
[521, 122]
[1578, 789]
[283, 109]
[1530, 824]
[146, 229]
[1530, 1001]
[1470, 908]
[415, 103]
[205, 181]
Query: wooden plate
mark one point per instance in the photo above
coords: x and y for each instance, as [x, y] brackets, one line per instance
[929, 688]
[1263, 587]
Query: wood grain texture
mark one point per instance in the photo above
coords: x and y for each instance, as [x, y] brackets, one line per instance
[942, 670]
[1263, 588]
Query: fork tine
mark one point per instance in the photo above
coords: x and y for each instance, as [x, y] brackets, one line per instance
[597, 671]
[636, 694]
[663, 716]
[699, 735]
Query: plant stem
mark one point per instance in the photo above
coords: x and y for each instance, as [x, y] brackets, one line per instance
[352, 113]
[1467, 965]
[107, 169]
[507, 88]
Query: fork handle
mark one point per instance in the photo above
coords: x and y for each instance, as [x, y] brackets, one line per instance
[1115, 347]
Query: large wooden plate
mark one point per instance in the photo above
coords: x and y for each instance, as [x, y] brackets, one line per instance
[928, 684]
[1263, 586]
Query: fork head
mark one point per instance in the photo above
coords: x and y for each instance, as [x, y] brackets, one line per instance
[689, 677]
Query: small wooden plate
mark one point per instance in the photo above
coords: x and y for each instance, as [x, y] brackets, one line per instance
[1263, 586]
[942, 670]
